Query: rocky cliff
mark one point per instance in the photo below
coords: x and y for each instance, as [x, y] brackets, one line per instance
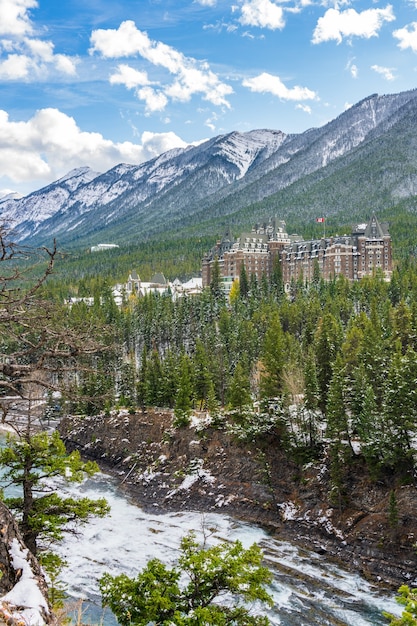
[202, 468]
[23, 589]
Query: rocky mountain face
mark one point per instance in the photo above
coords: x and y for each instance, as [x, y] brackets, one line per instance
[28, 213]
[223, 177]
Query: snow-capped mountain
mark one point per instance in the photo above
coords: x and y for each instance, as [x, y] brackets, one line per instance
[219, 177]
[27, 213]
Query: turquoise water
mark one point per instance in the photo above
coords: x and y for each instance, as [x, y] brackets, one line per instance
[307, 590]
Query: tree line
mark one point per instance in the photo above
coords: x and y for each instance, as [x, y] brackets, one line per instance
[333, 362]
[327, 368]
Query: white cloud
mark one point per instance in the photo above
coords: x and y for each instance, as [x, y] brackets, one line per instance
[191, 77]
[14, 17]
[44, 50]
[25, 58]
[65, 64]
[211, 122]
[133, 79]
[129, 77]
[386, 72]
[352, 68]
[337, 24]
[407, 36]
[154, 100]
[262, 13]
[303, 107]
[15, 67]
[206, 3]
[50, 144]
[35, 63]
[7, 192]
[267, 83]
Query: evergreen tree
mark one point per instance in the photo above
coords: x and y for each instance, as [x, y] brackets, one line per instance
[402, 326]
[215, 282]
[337, 468]
[400, 411]
[243, 282]
[141, 388]
[169, 382]
[239, 394]
[43, 515]
[45, 349]
[208, 575]
[327, 343]
[153, 395]
[337, 419]
[127, 385]
[183, 400]
[316, 273]
[311, 390]
[408, 599]
[311, 400]
[273, 358]
[213, 407]
[96, 391]
[276, 277]
[201, 373]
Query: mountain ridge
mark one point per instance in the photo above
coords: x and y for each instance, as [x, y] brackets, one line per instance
[234, 175]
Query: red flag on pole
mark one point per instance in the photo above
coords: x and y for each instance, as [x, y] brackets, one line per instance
[320, 220]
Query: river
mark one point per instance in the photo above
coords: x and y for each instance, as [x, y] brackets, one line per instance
[307, 590]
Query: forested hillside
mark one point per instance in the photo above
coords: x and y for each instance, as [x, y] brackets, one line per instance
[328, 368]
[360, 162]
[82, 273]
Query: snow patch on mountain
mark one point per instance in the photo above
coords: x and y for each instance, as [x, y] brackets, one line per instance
[41, 205]
[176, 185]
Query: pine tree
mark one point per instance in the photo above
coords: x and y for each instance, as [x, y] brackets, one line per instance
[400, 411]
[311, 400]
[276, 277]
[243, 283]
[327, 343]
[45, 347]
[201, 373]
[183, 400]
[141, 387]
[213, 407]
[273, 356]
[43, 514]
[209, 574]
[127, 385]
[239, 394]
[337, 419]
[215, 282]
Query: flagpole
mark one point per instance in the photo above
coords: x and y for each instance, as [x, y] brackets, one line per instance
[322, 220]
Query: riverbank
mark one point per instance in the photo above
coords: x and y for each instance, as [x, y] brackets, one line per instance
[204, 469]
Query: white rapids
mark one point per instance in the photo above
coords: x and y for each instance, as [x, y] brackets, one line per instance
[307, 590]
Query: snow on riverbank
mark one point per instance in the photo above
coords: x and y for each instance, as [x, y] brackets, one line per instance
[124, 541]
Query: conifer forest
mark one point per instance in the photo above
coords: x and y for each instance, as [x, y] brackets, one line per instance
[328, 366]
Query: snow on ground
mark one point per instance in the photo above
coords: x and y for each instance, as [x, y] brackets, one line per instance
[128, 538]
[25, 603]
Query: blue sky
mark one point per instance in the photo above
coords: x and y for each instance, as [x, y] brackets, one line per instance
[99, 82]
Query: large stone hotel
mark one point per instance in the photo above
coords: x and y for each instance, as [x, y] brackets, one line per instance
[359, 254]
